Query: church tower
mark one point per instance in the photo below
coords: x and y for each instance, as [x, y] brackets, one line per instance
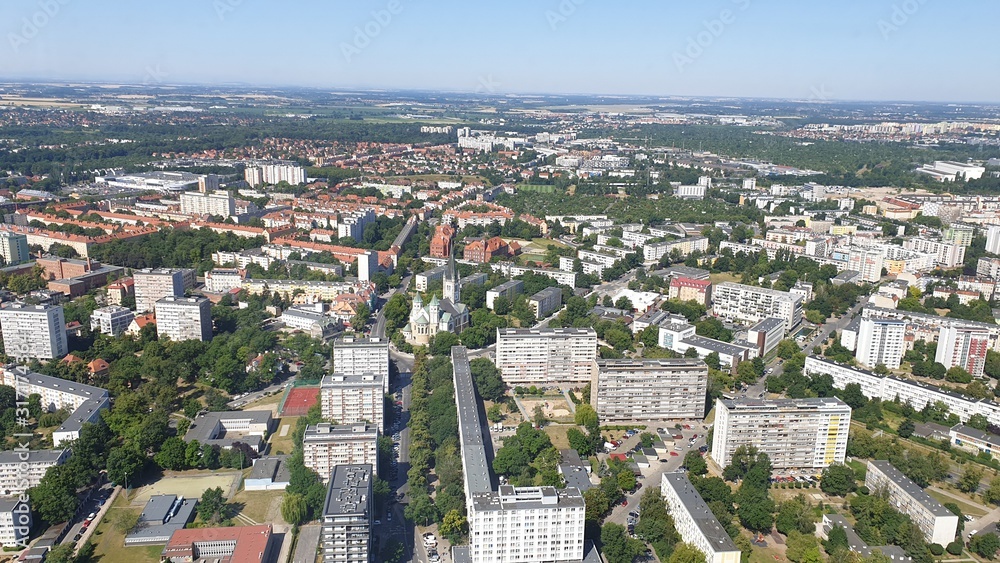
[452, 287]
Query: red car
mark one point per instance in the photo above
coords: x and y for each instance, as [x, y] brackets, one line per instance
[674, 454]
[625, 502]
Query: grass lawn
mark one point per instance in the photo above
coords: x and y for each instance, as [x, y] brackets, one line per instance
[966, 507]
[557, 433]
[283, 443]
[264, 402]
[257, 504]
[724, 277]
[110, 542]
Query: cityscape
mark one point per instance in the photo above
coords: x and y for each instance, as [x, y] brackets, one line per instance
[556, 282]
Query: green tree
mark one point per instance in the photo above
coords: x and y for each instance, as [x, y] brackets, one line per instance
[969, 481]
[787, 348]
[212, 507]
[585, 416]
[694, 463]
[686, 553]
[454, 525]
[838, 479]
[54, 498]
[800, 546]
[992, 494]
[294, 509]
[978, 421]
[985, 545]
[125, 464]
[171, 454]
[906, 428]
[618, 547]
[393, 551]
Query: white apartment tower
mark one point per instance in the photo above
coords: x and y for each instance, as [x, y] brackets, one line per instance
[325, 446]
[112, 320]
[546, 355]
[649, 390]
[184, 318]
[881, 341]
[33, 331]
[151, 285]
[794, 433]
[963, 346]
[936, 522]
[216, 203]
[752, 304]
[14, 248]
[346, 526]
[353, 399]
[357, 356]
[695, 522]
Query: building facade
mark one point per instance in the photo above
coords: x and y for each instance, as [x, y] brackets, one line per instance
[794, 433]
[964, 347]
[938, 524]
[747, 303]
[766, 335]
[546, 355]
[33, 331]
[881, 341]
[686, 289]
[649, 390]
[112, 320]
[151, 285]
[695, 522]
[545, 302]
[354, 399]
[14, 248]
[355, 356]
[325, 446]
[184, 318]
[216, 203]
[17, 475]
[346, 525]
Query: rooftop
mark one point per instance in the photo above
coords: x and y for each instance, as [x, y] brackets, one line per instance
[750, 404]
[251, 542]
[352, 380]
[910, 488]
[768, 325]
[478, 476]
[707, 524]
[546, 332]
[349, 491]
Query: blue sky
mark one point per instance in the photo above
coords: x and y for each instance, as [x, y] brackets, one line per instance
[837, 49]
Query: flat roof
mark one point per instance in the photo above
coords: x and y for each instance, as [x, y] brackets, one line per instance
[547, 292]
[349, 492]
[327, 431]
[338, 379]
[357, 342]
[34, 456]
[975, 433]
[273, 468]
[715, 345]
[576, 476]
[628, 363]
[910, 488]
[477, 470]
[768, 325]
[699, 511]
[546, 332]
[751, 404]
[508, 285]
[204, 426]
[509, 497]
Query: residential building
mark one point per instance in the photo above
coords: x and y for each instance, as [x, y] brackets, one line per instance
[948, 255]
[221, 280]
[184, 318]
[483, 251]
[747, 303]
[973, 440]
[325, 446]
[507, 290]
[881, 341]
[355, 398]
[112, 320]
[15, 522]
[119, 290]
[246, 544]
[964, 347]
[794, 433]
[310, 320]
[423, 279]
[21, 470]
[545, 302]
[14, 248]
[546, 355]
[33, 331]
[766, 335]
[353, 355]
[151, 285]
[868, 262]
[687, 289]
[855, 544]
[218, 203]
[992, 241]
[346, 523]
[224, 429]
[938, 524]
[276, 173]
[691, 192]
[695, 522]
[84, 402]
[441, 242]
[628, 390]
[686, 246]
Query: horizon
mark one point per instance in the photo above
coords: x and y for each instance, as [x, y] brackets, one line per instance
[855, 51]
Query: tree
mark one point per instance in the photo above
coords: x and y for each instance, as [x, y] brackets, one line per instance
[969, 482]
[992, 494]
[213, 508]
[713, 361]
[756, 509]
[294, 509]
[985, 545]
[360, 318]
[694, 463]
[54, 498]
[585, 416]
[626, 480]
[539, 417]
[686, 553]
[838, 479]
[978, 421]
[618, 547]
[125, 463]
[501, 305]
[801, 546]
[836, 539]
[393, 551]
[61, 554]
[489, 383]
[906, 428]
[454, 525]
[787, 348]
[171, 454]
[443, 341]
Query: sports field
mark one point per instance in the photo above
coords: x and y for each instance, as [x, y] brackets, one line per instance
[187, 485]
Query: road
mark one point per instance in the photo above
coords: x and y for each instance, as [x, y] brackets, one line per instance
[378, 329]
[398, 528]
[835, 326]
[307, 544]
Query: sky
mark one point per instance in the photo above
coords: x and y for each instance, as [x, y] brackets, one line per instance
[901, 50]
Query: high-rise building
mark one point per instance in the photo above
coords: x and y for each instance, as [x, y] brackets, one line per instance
[325, 446]
[15, 522]
[963, 346]
[938, 524]
[357, 356]
[184, 318]
[14, 247]
[17, 475]
[748, 303]
[353, 399]
[215, 203]
[993, 239]
[112, 320]
[695, 522]
[346, 529]
[794, 433]
[546, 355]
[208, 183]
[33, 331]
[254, 176]
[869, 262]
[653, 390]
[151, 285]
[276, 173]
[881, 341]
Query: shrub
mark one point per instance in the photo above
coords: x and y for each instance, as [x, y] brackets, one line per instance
[936, 549]
[955, 548]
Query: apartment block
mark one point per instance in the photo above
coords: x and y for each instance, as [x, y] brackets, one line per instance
[545, 302]
[686, 289]
[507, 290]
[354, 399]
[15, 522]
[650, 390]
[151, 285]
[938, 524]
[989, 267]
[216, 204]
[947, 255]
[14, 248]
[964, 347]
[112, 320]
[868, 262]
[325, 446]
[346, 524]
[973, 439]
[84, 401]
[695, 522]
[184, 318]
[33, 331]
[766, 335]
[747, 303]
[546, 355]
[356, 356]
[17, 475]
[881, 341]
[221, 280]
[794, 433]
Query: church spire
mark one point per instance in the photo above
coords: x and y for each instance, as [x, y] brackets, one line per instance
[451, 288]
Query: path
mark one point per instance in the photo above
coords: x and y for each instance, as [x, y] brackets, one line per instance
[305, 548]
